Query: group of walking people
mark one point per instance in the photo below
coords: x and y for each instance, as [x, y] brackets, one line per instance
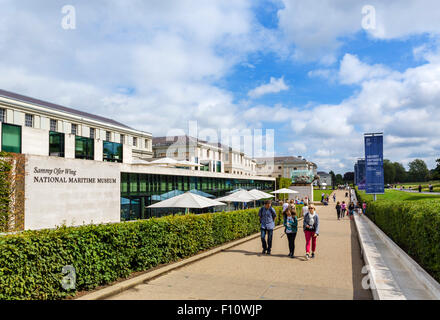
[268, 215]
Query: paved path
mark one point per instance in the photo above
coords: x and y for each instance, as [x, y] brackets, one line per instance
[242, 272]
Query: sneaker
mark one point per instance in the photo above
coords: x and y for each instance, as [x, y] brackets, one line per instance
[307, 256]
[268, 252]
[313, 255]
[263, 252]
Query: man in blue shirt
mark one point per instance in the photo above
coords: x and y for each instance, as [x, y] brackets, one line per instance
[267, 216]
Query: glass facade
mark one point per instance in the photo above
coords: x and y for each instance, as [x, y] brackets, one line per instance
[84, 148]
[11, 138]
[56, 144]
[139, 191]
[219, 166]
[112, 151]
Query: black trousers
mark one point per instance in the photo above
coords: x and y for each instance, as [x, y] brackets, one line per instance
[339, 213]
[291, 238]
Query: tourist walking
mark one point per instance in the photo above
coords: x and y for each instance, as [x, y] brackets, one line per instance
[351, 210]
[430, 188]
[291, 228]
[267, 216]
[311, 230]
[420, 188]
[334, 197]
[338, 210]
[364, 207]
[343, 209]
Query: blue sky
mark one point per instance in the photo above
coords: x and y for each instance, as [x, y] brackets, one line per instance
[309, 70]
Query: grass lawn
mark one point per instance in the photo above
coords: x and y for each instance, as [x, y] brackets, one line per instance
[317, 193]
[401, 195]
[415, 185]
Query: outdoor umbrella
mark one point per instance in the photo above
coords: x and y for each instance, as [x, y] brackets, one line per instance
[284, 190]
[187, 200]
[260, 194]
[163, 161]
[186, 163]
[239, 196]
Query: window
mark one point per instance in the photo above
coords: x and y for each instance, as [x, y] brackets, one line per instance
[29, 120]
[146, 143]
[74, 129]
[134, 141]
[84, 148]
[56, 144]
[108, 136]
[2, 115]
[122, 139]
[11, 138]
[112, 151]
[53, 125]
[92, 133]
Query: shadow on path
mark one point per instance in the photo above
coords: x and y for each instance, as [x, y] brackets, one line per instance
[252, 253]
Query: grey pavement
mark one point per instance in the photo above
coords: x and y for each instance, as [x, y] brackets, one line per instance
[242, 272]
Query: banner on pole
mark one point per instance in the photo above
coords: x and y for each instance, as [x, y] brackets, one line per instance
[374, 164]
[361, 174]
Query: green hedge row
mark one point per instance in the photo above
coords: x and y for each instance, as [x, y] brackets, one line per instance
[414, 226]
[31, 262]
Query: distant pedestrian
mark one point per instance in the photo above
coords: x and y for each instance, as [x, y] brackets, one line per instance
[364, 208]
[311, 230]
[338, 210]
[430, 187]
[343, 209]
[322, 197]
[334, 197]
[420, 188]
[305, 209]
[346, 194]
[291, 228]
[267, 216]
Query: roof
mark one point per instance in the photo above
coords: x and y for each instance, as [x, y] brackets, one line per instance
[16, 96]
[185, 140]
[282, 159]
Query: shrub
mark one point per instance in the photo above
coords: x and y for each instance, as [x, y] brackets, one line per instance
[414, 226]
[31, 261]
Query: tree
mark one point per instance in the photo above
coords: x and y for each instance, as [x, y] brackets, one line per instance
[389, 171]
[435, 173]
[283, 183]
[332, 174]
[418, 171]
[349, 177]
[339, 180]
[401, 174]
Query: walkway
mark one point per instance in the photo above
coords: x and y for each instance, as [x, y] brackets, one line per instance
[242, 272]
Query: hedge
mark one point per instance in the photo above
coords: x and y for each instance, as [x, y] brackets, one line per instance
[414, 226]
[31, 262]
[5, 186]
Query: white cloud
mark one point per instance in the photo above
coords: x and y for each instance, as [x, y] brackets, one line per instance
[274, 86]
[315, 29]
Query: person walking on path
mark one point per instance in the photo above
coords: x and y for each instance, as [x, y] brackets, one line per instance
[338, 210]
[351, 210]
[334, 197]
[364, 207]
[420, 188]
[343, 209]
[311, 230]
[267, 216]
[291, 228]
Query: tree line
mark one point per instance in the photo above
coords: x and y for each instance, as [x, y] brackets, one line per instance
[395, 172]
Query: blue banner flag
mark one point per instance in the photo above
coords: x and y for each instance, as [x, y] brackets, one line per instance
[361, 174]
[374, 164]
